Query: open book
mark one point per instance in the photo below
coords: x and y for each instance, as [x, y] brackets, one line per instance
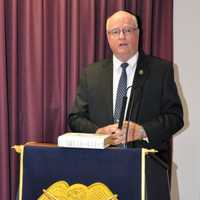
[84, 140]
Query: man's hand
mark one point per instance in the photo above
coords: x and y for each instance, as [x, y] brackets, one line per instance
[135, 131]
[117, 135]
[109, 129]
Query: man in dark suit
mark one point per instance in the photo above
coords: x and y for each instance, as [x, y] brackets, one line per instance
[156, 112]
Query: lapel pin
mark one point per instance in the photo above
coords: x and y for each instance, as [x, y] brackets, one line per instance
[141, 72]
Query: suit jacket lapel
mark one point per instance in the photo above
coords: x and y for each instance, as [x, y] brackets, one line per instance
[141, 75]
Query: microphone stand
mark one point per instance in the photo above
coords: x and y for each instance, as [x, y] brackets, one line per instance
[137, 143]
[121, 119]
[129, 118]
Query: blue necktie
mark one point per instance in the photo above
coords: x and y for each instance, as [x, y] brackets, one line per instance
[121, 92]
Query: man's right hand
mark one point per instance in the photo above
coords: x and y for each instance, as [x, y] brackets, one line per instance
[117, 135]
[109, 129]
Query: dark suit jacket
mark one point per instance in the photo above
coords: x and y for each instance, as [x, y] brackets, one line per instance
[156, 104]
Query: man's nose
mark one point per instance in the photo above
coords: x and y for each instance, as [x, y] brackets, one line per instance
[122, 34]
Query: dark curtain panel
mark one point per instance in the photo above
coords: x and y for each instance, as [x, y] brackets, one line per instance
[44, 45]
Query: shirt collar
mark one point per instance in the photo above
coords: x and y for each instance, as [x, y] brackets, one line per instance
[132, 61]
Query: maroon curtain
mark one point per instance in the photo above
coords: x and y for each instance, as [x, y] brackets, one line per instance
[44, 44]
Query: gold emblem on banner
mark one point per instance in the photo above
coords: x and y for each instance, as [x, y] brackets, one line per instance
[62, 191]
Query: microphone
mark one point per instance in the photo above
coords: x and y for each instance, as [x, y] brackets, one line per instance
[129, 118]
[123, 108]
[136, 143]
[121, 118]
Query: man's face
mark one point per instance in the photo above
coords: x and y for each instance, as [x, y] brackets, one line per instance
[123, 36]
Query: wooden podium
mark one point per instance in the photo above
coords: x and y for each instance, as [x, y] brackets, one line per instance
[130, 174]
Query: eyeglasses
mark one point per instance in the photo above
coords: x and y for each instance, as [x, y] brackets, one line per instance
[127, 31]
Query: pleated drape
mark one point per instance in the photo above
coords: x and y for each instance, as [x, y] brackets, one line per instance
[44, 45]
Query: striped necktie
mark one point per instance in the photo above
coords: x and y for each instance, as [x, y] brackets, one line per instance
[121, 92]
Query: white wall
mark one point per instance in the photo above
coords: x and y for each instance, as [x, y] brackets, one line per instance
[186, 168]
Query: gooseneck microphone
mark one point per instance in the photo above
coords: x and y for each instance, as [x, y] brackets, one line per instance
[137, 143]
[123, 108]
[129, 116]
[121, 118]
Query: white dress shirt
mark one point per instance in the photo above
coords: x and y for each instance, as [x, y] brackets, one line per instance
[130, 70]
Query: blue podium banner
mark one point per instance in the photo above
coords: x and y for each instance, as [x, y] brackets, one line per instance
[118, 169]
